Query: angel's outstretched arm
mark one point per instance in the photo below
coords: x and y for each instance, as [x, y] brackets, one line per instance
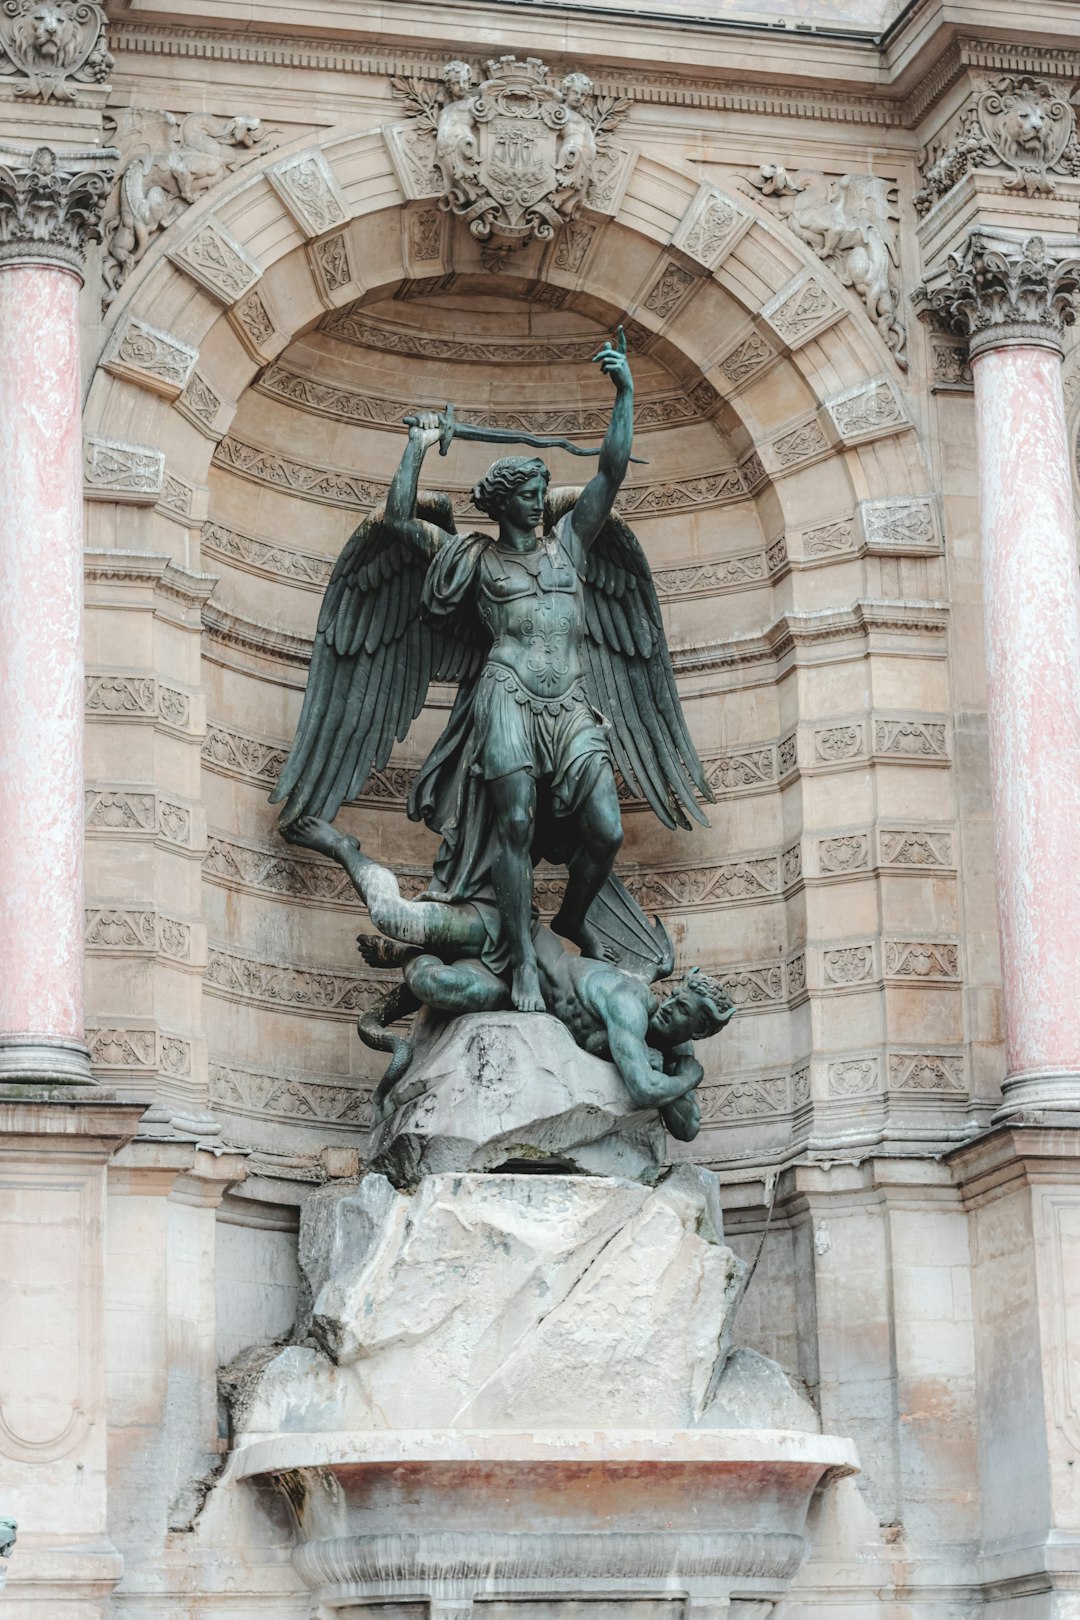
[594, 504]
[424, 431]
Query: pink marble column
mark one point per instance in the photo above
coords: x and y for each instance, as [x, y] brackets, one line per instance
[1032, 606]
[1012, 299]
[47, 210]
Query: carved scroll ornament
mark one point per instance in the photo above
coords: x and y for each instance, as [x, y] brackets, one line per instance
[515, 155]
[52, 47]
[1017, 123]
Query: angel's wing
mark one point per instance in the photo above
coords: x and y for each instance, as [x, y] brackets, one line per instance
[629, 674]
[373, 659]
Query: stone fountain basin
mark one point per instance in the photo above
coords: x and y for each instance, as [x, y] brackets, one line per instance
[412, 1515]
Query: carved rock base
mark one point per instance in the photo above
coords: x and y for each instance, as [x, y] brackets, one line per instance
[505, 1302]
[510, 1091]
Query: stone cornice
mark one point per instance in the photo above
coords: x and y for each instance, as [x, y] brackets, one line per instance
[51, 203]
[160, 573]
[999, 291]
[650, 86]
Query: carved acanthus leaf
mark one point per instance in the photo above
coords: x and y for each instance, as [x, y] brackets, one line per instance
[51, 205]
[999, 290]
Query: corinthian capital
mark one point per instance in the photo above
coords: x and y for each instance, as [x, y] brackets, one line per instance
[999, 291]
[50, 204]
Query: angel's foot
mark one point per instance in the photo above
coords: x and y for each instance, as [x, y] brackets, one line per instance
[384, 953]
[589, 941]
[525, 992]
[320, 836]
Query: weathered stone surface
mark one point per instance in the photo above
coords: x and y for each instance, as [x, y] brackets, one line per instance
[507, 1302]
[502, 1090]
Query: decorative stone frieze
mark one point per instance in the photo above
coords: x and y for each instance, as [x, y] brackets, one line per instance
[711, 227]
[310, 191]
[870, 410]
[1018, 125]
[137, 813]
[214, 258]
[115, 471]
[849, 221]
[154, 359]
[926, 1071]
[853, 1076]
[918, 959]
[125, 697]
[1000, 290]
[802, 309]
[900, 525]
[295, 1099]
[51, 48]
[51, 203]
[337, 487]
[918, 741]
[254, 982]
[915, 848]
[848, 852]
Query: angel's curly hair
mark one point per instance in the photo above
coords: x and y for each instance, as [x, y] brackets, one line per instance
[503, 478]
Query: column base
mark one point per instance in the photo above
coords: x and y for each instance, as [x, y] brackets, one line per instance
[37, 1060]
[1044, 1091]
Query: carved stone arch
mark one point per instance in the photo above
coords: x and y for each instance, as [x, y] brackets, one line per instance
[704, 277]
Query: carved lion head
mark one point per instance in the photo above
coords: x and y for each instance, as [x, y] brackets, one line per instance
[49, 34]
[1023, 128]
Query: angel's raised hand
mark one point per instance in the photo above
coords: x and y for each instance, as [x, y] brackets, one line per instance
[425, 428]
[613, 362]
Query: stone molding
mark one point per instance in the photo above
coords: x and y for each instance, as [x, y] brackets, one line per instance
[52, 53]
[212, 257]
[999, 290]
[51, 203]
[116, 695]
[168, 579]
[784, 637]
[138, 812]
[355, 405]
[335, 487]
[294, 1099]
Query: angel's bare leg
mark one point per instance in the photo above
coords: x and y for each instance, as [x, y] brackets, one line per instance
[513, 798]
[600, 827]
[428, 923]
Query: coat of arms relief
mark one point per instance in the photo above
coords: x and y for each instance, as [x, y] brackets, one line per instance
[517, 155]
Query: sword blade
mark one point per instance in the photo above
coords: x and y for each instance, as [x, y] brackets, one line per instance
[538, 441]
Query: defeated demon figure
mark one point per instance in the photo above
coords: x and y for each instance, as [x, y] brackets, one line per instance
[610, 1013]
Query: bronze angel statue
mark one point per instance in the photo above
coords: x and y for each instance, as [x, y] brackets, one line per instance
[551, 631]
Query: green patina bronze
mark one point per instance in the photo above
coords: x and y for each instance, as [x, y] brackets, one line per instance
[551, 631]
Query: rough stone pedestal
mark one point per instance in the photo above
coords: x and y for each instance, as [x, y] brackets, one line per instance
[520, 1389]
[503, 1091]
